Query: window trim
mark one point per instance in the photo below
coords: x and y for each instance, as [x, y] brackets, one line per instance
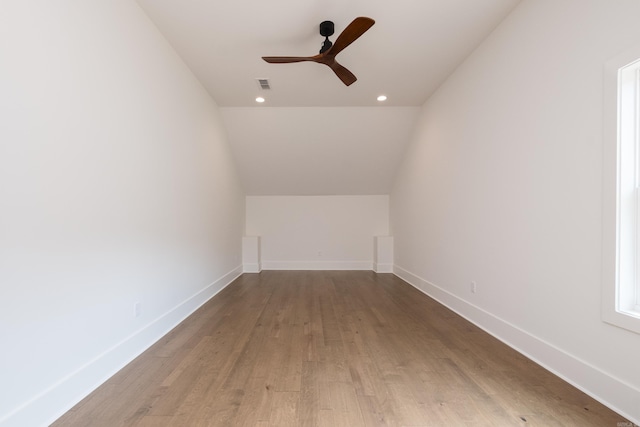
[612, 312]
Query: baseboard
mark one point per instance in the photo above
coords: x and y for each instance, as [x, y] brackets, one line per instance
[49, 405]
[251, 268]
[612, 392]
[317, 265]
[383, 268]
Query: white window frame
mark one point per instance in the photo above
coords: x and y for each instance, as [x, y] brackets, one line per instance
[621, 196]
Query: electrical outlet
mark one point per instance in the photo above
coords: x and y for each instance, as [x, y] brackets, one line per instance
[137, 310]
[319, 253]
[474, 287]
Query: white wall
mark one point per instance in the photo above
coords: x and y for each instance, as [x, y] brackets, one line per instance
[116, 187]
[502, 185]
[317, 232]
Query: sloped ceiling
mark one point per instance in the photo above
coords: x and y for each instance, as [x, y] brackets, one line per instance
[313, 135]
[280, 158]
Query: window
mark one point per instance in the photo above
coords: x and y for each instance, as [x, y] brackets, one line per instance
[621, 195]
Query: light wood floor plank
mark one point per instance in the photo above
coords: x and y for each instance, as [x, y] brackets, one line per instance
[332, 348]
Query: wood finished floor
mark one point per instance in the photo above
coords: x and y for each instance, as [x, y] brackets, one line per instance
[332, 349]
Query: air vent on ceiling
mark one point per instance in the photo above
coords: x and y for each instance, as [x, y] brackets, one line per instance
[264, 84]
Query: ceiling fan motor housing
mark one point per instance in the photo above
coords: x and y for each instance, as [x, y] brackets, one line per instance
[326, 28]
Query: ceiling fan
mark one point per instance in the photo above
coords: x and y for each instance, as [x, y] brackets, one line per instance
[328, 52]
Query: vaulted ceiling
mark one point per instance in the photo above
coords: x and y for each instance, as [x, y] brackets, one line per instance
[313, 134]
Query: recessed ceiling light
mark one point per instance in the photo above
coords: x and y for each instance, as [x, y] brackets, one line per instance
[382, 98]
[260, 99]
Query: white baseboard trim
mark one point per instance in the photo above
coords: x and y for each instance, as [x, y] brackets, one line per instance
[317, 265]
[612, 392]
[52, 403]
[251, 268]
[383, 268]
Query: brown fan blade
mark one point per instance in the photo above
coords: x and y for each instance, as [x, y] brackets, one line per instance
[354, 30]
[350, 34]
[343, 74]
[287, 59]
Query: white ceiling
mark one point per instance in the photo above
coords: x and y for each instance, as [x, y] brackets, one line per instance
[406, 55]
[281, 159]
